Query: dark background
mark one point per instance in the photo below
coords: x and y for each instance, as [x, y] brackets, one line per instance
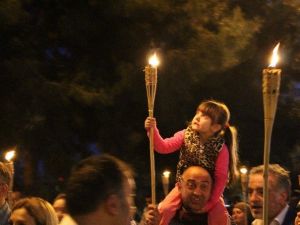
[72, 81]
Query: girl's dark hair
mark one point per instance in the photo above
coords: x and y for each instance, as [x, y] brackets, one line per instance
[220, 114]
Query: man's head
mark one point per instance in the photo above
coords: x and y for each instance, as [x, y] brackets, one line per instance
[279, 190]
[195, 188]
[5, 179]
[101, 188]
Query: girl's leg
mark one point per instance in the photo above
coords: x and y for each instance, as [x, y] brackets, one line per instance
[218, 215]
[169, 205]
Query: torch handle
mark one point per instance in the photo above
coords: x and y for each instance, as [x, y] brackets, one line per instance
[151, 82]
[270, 88]
[267, 147]
[152, 167]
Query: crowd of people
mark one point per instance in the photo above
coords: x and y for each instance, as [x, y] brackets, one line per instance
[101, 188]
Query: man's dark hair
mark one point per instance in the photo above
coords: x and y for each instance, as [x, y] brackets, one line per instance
[93, 180]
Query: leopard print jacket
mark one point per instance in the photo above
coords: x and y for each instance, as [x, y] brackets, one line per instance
[194, 153]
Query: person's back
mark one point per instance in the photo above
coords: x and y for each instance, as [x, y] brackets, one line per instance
[99, 191]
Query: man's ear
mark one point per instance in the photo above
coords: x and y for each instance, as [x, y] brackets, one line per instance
[179, 185]
[283, 196]
[112, 204]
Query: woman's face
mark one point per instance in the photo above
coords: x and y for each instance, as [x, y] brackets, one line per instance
[21, 217]
[60, 208]
[238, 216]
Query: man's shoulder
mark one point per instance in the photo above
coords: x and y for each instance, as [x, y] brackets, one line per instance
[289, 216]
[5, 212]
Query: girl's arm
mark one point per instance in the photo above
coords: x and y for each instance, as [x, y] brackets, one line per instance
[220, 179]
[168, 145]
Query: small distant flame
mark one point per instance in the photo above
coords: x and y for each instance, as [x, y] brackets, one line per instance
[275, 57]
[10, 155]
[166, 173]
[153, 61]
[243, 170]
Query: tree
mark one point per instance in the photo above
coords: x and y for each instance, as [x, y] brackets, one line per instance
[72, 74]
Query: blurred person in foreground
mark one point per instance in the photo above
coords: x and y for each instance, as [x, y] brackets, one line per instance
[241, 214]
[33, 211]
[100, 191]
[5, 179]
[279, 211]
[195, 188]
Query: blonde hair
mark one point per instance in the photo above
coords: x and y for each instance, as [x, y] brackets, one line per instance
[39, 209]
[220, 114]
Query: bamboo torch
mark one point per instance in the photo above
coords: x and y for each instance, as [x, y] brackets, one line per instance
[151, 82]
[270, 89]
[9, 156]
[165, 181]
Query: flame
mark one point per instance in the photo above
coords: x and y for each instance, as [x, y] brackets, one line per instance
[243, 170]
[153, 61]
[10, 155]
[275, 57]
[166, 173]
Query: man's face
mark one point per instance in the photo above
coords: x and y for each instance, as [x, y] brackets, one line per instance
[195, 188]
[277, 196]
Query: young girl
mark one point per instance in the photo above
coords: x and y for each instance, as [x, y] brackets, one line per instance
[209, 141]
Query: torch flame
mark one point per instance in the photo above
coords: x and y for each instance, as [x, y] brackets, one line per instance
[10, 155]
[243, 170]
[166, 173]
[153, 61]
[275, 57]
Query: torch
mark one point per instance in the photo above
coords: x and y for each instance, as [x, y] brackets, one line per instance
[9, 156]
[151, 82]
[244, 183]
[270, 89]
[165, 181]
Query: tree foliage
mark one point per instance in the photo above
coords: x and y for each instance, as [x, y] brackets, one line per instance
[72, 73]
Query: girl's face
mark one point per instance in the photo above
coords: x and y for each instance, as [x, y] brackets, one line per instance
[204, 125]
[21, 217]
[238, 216]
